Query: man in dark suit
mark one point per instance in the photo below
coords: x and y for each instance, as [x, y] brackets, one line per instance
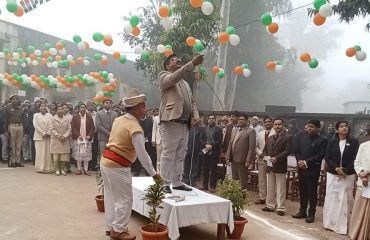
[229, 128]
[309, 151]
[275, 152]
[241, 150]
[147, 124]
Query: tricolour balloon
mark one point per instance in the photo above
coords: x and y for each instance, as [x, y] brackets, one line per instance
[134, 21]
[325, 10]
[247, 72]
[98, 37]
[313, 63]
[266, 19]
[279, 68]
[190, 41]
[350, 52]
[77, 38]
[198, 47]
[223, 37]
[318, 20]
[234, 39]
[127, 28]
[161, 48]
[207, 8]
[318, 3]
[305, 57]
[273, 28]
[230, 30]
[163, 11]
[196, 3]
[238, 70]
[360, 55]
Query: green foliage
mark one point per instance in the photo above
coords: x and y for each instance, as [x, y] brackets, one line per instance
[153, 197]
[232, 190]
[187, 21]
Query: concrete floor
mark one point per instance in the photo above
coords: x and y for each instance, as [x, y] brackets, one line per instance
[36, 206]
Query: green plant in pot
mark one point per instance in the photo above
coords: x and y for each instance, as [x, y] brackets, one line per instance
[231, 189]
[153, 197]
[100, 197]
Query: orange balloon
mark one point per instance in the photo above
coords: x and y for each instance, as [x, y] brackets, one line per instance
[163, 11]
[273, 27]
[196, 3]
[108, 41]
[223, 37]
[80, 60]
[23, 55]
[116, 55]
[305, 57]
[238, 70]
[59, 46]
[32, 56]
[318, 19]
[19, 12]
[45, 53]
[135, 31]
[270, 65]
[58, 57]
[43, 61]
[72, 63]
[190, 41]
[215, 69]
[168, 52]
[350, 52]
[104, 62]
[87, 46]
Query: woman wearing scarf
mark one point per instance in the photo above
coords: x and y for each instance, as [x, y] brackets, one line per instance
[341, 176]
[82, 133]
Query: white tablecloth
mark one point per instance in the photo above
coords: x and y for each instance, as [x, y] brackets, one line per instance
[198, 207]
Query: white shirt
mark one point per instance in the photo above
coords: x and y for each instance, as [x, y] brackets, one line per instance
[342, 145]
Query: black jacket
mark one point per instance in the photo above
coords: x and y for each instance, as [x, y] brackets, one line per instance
[333, 156]
[2, 122]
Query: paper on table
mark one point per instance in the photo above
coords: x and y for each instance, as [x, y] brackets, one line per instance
[268, 161]
[366, 192]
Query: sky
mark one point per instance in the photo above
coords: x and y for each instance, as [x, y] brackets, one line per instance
[341, 78]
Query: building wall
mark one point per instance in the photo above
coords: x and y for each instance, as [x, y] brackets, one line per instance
[355, 107]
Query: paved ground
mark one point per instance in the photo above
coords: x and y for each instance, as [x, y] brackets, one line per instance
[37, 206]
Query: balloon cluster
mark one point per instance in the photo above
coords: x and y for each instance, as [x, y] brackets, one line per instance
[107, 38]
[206, 6]
[165, 49]
[103, 59]
[131, 27]
[120, 57]
[271, 27]
[229, 36]
[243, 69]
[324, 10]
[80, 44]
[356, 51]
[196, 44]
[274, 65]
[312, 62]
[12, 7]
[166, 14]
[107, 91]
[144, 54]
[220, 72]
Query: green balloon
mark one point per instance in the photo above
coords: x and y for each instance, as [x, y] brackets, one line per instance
[47, 46]
[38, 59]
[87, 58]
[244, 66]
[202, 70]
[277, 62]
[77, 38]
[220, 74]
[30, 49]
[145, 56]
[198, 47]
[14, 75]
[98, 37]
[313, 63]
[134, 21]
[97, 57]
[357, 47]
[50, 59]
[266, 19]
[170, 12]
[230, 30]
[12, 7]
[99, 104]
[122, 59]
[20, 50]
[318, 3]
[168, 46]
[60, 63]
[6, 51]
[66, 63]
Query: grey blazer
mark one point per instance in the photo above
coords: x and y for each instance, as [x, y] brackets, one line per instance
[104, 122]
[244, 147]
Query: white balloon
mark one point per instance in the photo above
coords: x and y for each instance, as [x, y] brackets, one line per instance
[139, 50]
[28, 60]
[34, 84]
[325, 10]
[2, 55]
[53, 51]
[81, 46]
[167, 22]
[23, 65]
[100, 94]
[247, 72]
[5, 82]
[104, 57]
[37, 52]
[49, 65]
[63, 51]
[360, 55]
[86, 62]
[15, 63]
[1, 76]
[234, 40]
[279, 68]
[69, 57]
[207, 8]
[161, 48]
[10, 62]
[35, 63]
[127, 28]
[54, 64]
[110, 75]
[15, 55]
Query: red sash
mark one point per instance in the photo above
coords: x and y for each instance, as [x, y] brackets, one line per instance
[115, 157]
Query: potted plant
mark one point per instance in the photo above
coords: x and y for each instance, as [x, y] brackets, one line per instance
[231, 189]
[153, 197]
[100, 197]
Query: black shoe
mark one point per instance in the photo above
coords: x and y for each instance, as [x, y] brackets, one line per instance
[19, 164]
[299, 215]
[182, 188]
[310, 219]
[167, 189]
[267, 209]
[260, 201]
[69, 171]
[280, 213]
[12, 165]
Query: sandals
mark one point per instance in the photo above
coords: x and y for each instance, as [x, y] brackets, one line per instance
[121, 236]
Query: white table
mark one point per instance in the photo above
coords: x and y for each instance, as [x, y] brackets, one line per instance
[198, 207]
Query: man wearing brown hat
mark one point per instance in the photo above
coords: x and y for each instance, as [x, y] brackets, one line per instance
[126, 143]
[14, 127]
[176, 111]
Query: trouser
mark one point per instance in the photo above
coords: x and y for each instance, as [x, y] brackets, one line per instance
[191, 167]
[117, 197]
[26, 147]
[94, 152]
[308, 191]
[276, 191]
[151, 151]
[262, 180]
[15, 140]
[239, 172]
[4, 146]
[158, 150]
[210, 166]
[86, 165]
[174, 138]
[59, 161]
[33, 150]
